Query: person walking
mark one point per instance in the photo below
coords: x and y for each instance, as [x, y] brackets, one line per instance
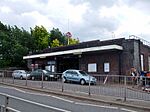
[134, 75]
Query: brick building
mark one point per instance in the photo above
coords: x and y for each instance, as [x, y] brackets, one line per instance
[115, 57]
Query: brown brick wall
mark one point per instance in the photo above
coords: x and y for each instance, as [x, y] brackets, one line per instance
[101, 58]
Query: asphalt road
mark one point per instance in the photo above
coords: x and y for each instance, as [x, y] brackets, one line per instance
[30, 101]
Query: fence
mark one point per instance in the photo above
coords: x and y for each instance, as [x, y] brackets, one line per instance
[15, 104]
[4, 106]
[124, 87]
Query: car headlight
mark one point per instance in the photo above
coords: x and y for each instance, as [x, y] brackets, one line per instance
[51, 75]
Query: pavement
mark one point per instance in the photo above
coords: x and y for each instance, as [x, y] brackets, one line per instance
[139, 104]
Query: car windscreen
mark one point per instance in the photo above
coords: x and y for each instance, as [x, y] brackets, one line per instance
[83, 73]
[22, 71]
[46, 71]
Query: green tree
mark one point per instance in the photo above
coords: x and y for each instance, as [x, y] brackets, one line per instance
[62, 38]
[40, 35]
[56, 34]
[55, 43]
[16, 42]
[73, 41]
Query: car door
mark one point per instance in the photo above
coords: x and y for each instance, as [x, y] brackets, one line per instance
[75, 76]
[68, 75]
[17, 74]
[35, 74]
[39, 74]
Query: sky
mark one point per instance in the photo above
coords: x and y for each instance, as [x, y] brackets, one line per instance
[85, 19]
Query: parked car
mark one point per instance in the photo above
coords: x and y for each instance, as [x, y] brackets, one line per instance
[78, 76]
[20, 74]
[47, 75]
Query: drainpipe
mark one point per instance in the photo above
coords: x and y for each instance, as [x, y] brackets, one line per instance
[120, 59]
[139, 43]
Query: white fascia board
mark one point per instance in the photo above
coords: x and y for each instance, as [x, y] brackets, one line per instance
[75, 51]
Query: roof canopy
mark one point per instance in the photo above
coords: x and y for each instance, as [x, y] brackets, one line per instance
[75, 51]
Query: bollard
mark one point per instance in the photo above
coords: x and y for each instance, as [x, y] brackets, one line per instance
[62, 89]
[2, 108]
[26, 79]
[13, 79]
[42, 80]
[125, 88]
[145, 81]
[89, 85]
[3, 76]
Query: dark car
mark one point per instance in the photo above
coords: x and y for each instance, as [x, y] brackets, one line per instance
[47, 75]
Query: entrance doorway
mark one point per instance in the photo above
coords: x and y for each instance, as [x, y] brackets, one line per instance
[67, 62]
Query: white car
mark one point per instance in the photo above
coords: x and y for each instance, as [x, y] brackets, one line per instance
[78, 76]
[20, 74]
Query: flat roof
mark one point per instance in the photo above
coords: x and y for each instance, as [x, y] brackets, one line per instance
[75, 51]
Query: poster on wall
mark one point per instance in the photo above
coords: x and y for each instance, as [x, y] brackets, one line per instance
[53, 68]
[92, 67]
[106, 67]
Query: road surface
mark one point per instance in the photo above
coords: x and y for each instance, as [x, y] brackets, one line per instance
[30, 101]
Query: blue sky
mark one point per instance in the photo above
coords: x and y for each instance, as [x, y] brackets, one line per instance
[85, 19]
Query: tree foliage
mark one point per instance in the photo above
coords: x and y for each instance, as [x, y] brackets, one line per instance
[62, 38]
[17, 42]
[56, 34]
[72, 41]
[13, 46]
[40, 35]
[55, 43]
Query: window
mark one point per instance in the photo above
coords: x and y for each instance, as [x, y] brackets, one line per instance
[142, 62]
[51, 62]
[149, 62]
[92, 67]
[74, 73]
[83, 73]
[106, 67]
[69, 72]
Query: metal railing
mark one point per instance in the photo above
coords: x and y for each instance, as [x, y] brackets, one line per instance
[145, 42]
[4, 107]
[124, 87]
[14, 104]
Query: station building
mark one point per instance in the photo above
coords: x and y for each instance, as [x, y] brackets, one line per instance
[114, 57]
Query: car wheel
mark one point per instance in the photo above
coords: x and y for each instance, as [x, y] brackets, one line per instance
[21, 77]
[32, 78]
[82, 81]
[46, 78]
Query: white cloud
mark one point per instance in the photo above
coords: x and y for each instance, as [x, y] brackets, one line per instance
[88, 19]
[132, 21]
[38, 19]
[5, 9]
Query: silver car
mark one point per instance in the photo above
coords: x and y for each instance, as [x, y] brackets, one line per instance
[78, 76]
[20, 74]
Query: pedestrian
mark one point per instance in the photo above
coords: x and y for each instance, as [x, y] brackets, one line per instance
[134, 76]
[143, 78]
